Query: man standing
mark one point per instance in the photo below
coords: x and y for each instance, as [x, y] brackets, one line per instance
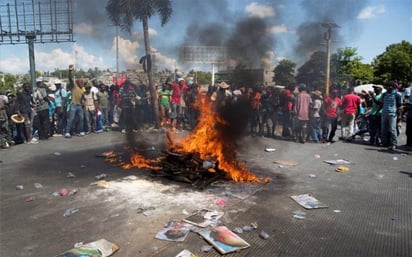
[332, 104]
[24, 104]
[176, 108]
[42, 108]
[286, 101]
[4, 125]
[391, 102]
[350, 105]
[375, 116]
[301, 109]
[60, 100]
[76, 106]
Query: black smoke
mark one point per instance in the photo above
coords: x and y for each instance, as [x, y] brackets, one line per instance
[311, 33]
[250, 41]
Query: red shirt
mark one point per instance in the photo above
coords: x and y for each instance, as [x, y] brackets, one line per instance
[350, 103]
[177, 92]
[331, 106]
[288, 104]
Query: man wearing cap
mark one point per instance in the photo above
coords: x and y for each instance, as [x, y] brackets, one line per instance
[24, 104]
[60, 96]
[375, 115]
[332, 104]
[42, 108]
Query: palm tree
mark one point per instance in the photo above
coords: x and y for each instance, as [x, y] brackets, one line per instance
[124, 12]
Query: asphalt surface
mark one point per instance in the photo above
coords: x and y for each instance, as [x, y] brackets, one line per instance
[369, 208]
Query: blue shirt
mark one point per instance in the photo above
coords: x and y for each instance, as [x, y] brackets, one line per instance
[59, 95]
[391, 102]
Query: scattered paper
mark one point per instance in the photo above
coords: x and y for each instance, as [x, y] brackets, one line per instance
[185, 253]
[174, 231]
[268, 149]
[308, 201]
[223, 239]
[203, 217]
[338, 162]
[99, 248]
[286, 163]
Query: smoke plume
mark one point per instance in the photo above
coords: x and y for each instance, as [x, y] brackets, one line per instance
[311, 33]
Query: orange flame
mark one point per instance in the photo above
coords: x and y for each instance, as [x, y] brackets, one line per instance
[208, 142]
[138, 161]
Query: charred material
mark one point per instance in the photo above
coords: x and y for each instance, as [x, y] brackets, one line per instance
[189, 168]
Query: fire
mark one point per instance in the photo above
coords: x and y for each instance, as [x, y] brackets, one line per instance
[208, 142]
[139, 161]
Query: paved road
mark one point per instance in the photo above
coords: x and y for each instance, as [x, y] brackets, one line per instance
[369, 208]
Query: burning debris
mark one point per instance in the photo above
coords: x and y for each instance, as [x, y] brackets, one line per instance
[202, 157]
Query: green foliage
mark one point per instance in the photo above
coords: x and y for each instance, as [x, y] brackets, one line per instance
[284, 73]
[394, 64]
[350, 69]
[123, 12]
[7, 82]
[204, 77]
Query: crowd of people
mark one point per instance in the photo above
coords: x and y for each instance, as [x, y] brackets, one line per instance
[292, 113]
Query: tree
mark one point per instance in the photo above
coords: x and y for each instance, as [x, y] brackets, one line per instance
[123, 13]
[7, 82]
[284, 73]
[350, 69]
[204, 77]
[394, 64]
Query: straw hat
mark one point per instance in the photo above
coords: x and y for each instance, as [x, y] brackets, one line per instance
[16, 118]
[224, 85]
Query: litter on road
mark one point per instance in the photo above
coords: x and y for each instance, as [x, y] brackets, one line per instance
[99, 248]
[286, 163]
[342, 169]
[185, 253]
[174, 230]
[70, 211]
[38, 185]
[338, 162]
[223, 239]
[308, 201]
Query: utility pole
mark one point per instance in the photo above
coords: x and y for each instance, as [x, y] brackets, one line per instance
[117, 53]
[328, 38]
